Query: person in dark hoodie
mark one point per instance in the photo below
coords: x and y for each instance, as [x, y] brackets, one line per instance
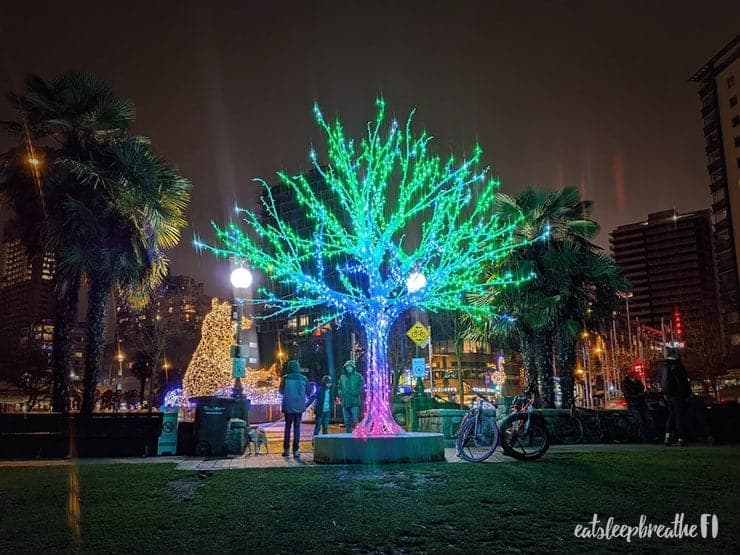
[351, 388]
[294, 388]
[634, 394]
[322, 408]
[675, 388]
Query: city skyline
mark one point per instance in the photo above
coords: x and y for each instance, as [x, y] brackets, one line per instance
[556, 94]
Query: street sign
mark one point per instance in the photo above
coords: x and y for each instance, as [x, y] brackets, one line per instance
[239, 368]
[418, 367]
[418, 333]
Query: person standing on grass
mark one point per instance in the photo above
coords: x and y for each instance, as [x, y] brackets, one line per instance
[322, 407]
[351, 388]
[634, 394]
[675, 388]
[294, 389]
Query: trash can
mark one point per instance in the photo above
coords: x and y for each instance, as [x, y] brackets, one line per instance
[167, 444]
[212, 415]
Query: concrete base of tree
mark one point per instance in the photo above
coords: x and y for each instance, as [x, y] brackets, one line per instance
[404, 448]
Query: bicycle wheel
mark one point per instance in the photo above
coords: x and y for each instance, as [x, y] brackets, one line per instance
[524, 437]
[620, 429]
[593, 426]
[477, 439]
[566, 429]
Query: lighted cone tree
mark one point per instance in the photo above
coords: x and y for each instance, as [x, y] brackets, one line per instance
[405, 229]
[210, 367]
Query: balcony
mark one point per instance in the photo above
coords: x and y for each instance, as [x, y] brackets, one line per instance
[718, 185]
[719, 205]
[715, 165]
[707, 88]
[708, 109]
[711, 127]
[713, 148]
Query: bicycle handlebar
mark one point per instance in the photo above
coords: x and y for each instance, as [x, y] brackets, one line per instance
[484, 398]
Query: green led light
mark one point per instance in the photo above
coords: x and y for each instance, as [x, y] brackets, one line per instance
[386, 187]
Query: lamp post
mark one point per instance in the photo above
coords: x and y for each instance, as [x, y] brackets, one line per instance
[241, 279]
[416, 282]
[586, 355]
[120, 358]
[627, 295]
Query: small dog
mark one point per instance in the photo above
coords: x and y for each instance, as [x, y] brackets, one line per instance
[256, 436]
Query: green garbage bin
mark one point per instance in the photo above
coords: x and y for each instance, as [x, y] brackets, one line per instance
[167, 444]
[212, 415]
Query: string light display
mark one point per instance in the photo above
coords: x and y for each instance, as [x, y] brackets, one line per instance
[175, 398]
[209, 371]
[498, 375]
[210, 367]
[400, 211]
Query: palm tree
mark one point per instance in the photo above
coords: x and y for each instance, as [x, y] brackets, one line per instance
[142, 370]
[70, 116]
[135, 214]
[544, 316]
[586, 281]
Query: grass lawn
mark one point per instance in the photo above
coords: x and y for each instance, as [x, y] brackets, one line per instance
[528, 507]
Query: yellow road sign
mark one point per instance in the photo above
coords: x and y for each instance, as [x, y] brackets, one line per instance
[418, 333]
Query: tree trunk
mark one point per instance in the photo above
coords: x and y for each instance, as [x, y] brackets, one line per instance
[460, 384]
[152, 370]
[378, 418]
[531, 347]
[100, 288]
[141, 391]
[65, 314]
[548, 377]
[566, 357]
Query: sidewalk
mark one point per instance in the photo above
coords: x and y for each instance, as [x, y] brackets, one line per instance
[274, 459]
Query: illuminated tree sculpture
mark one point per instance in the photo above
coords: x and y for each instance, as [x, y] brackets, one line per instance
[210, 367]
[405, 229]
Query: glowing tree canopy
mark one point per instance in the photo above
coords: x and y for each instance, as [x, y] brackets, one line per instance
[398, 212]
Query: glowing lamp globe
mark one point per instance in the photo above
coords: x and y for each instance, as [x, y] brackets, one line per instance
[241, 278]
[416, 282]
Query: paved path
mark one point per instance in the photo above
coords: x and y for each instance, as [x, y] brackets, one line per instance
[275, 460]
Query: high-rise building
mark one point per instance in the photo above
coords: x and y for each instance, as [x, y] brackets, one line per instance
[321, 350]
[668, 261]
[26, 327]
[719, 89]
[173, 319]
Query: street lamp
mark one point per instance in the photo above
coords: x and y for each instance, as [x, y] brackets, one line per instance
[120, 357]
[416, 282]
[627, 295]
[241, 279]
[166, 368]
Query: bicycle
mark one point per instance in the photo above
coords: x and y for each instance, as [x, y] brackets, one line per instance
[478, 434]
[566, 428]
[522, 434]
[603, 425]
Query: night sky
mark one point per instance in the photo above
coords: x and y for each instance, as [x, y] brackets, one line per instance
[591, 94]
